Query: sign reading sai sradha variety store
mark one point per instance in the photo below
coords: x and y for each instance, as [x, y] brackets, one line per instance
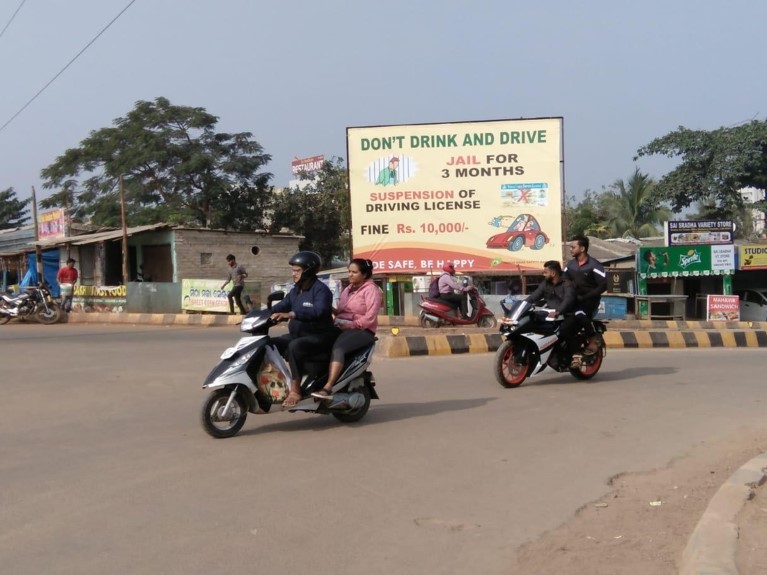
[485, 195]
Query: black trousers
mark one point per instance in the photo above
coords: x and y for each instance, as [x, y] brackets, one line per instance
[457, 299]
[297, 350]
[571, 325]
[235, 295]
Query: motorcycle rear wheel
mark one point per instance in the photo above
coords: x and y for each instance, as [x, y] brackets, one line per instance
[590, 370]
[356, 414]
[49, 316]
[212, 408]
[508, 372]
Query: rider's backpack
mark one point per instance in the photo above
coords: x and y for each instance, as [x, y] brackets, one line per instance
[434, 288]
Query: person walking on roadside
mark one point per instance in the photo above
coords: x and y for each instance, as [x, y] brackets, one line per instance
[67, 278]
[590, 280]
[237, 275]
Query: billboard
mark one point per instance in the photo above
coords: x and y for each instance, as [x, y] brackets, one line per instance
[753, 257]
[694, 233]
[306, 165]
[51, 224]
[485, 195]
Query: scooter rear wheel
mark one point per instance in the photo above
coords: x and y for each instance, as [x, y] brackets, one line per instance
[210, 416]
[356, 414]
[424, 321]
[508, 372]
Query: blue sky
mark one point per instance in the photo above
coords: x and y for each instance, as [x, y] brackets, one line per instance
[297, 73]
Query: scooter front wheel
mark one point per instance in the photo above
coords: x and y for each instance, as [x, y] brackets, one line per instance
[508, 371]
[487, 321]
[215, 422]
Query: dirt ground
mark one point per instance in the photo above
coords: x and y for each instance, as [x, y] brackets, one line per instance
[643, 525]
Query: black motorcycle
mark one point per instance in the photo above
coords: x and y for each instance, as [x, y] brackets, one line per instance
[36, 302]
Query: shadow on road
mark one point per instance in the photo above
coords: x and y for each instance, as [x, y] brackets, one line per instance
[602, 376]
[378, 414]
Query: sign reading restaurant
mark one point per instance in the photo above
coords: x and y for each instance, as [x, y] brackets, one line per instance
[695, 233]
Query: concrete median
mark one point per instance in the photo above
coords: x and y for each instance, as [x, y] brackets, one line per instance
[414, 341]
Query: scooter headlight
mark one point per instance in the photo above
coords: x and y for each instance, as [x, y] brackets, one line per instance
[240, 361]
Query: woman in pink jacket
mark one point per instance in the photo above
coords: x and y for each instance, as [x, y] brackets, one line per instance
[356, 319]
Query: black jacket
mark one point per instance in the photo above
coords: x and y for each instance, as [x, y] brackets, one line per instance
[560, 296]
[590, 282]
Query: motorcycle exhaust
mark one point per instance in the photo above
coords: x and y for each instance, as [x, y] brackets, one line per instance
[432, 317]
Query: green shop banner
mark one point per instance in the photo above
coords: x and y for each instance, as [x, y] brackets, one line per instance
[685, 261]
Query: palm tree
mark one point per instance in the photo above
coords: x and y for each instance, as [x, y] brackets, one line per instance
[634, 212]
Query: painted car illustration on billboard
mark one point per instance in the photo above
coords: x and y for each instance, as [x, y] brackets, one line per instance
[523, 231]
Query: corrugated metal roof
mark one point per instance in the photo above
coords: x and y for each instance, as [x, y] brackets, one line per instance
[100, 236]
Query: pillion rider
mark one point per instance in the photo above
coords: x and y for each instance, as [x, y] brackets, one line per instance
[590, 280]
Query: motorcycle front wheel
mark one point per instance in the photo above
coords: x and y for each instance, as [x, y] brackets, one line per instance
[4, 319]
[50, 315]
[356, 414]
[589, 370]
[508, 372]
[213, 421]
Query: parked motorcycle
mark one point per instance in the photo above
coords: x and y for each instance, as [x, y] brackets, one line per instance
[436, 312]
[531, 343]
[252, 377]
[36, 302]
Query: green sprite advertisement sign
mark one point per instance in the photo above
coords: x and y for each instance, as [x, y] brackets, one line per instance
[685, 261]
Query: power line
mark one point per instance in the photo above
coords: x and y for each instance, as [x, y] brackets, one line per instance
[88, 45]
[12, 17]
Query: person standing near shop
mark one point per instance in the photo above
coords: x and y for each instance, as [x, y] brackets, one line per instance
[67, 278]
[237, 275]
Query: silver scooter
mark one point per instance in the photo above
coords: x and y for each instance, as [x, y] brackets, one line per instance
[252, 377]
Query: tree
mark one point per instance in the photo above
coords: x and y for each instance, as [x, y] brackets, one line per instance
[633, 209]
[12, 210]
[590, 216]
[714, 166]
[321, 212]
[176, 169]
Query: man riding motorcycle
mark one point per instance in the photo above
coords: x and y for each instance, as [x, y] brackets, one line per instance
[558, 293]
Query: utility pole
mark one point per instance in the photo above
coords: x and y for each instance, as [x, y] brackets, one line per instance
[125, 232]
[38, 249]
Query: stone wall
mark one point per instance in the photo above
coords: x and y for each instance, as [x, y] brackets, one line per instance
[202, 254]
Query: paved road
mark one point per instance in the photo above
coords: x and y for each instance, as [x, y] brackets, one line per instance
[104, 468]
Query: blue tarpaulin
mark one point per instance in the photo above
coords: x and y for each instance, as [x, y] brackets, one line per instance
[50, 270]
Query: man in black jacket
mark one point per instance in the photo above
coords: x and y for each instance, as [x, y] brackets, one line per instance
[558, 293]
[590, 280]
